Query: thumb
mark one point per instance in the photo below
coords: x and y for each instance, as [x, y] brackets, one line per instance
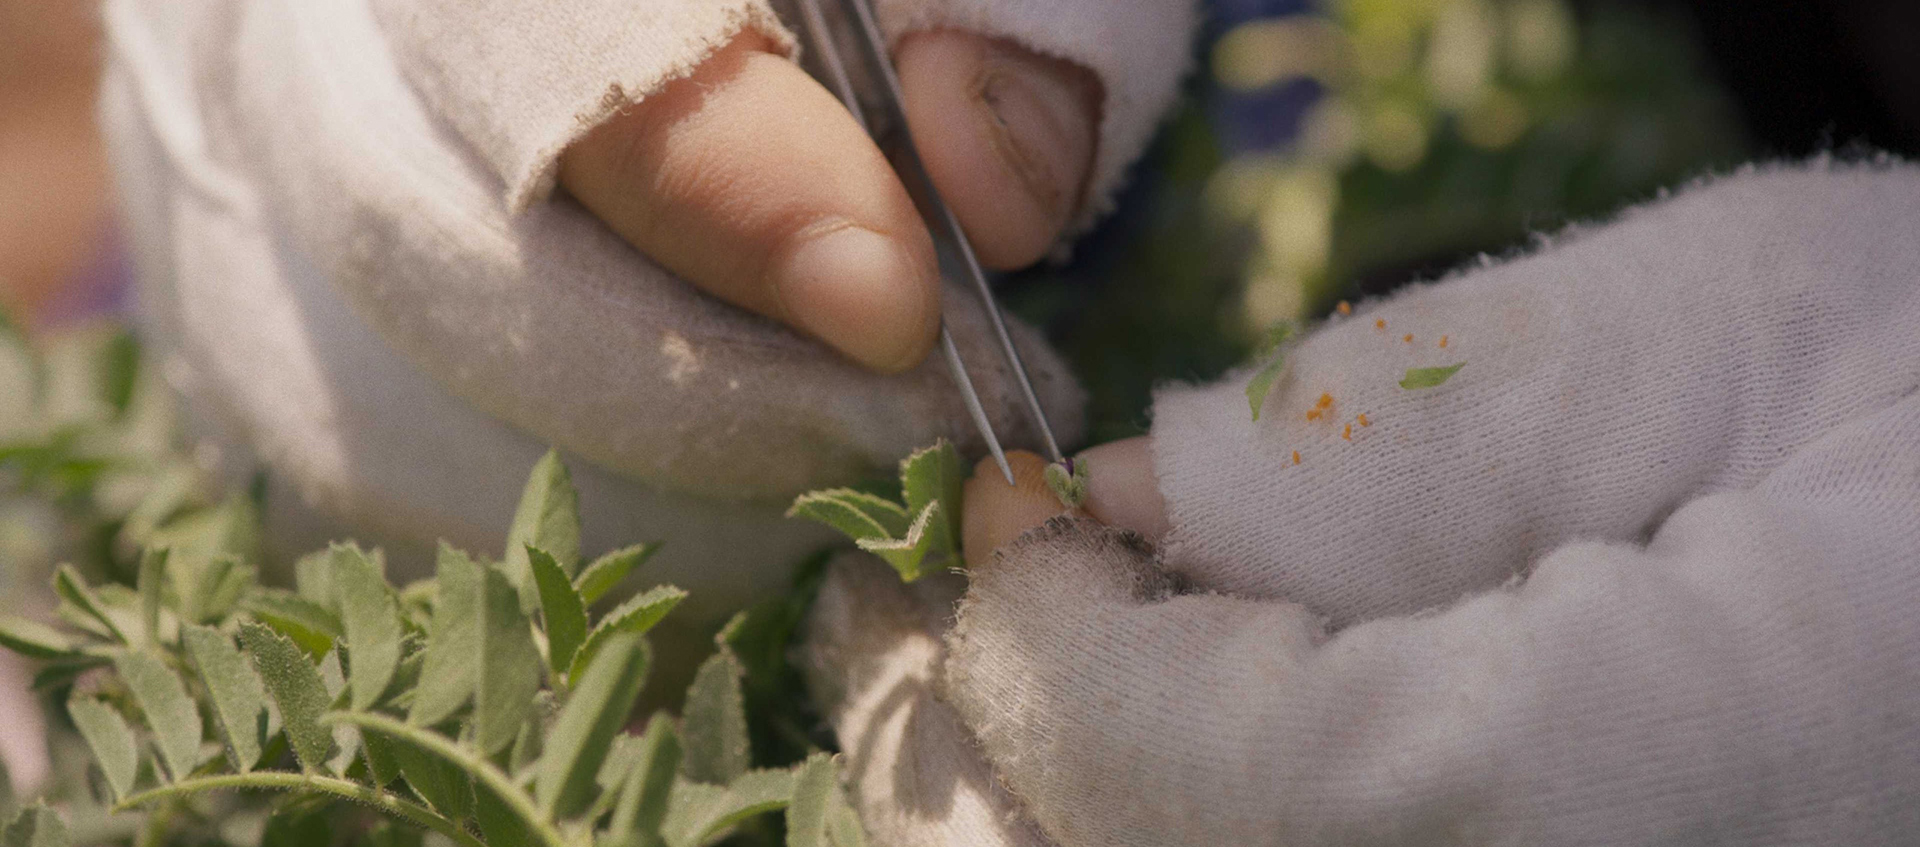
[1008, 137]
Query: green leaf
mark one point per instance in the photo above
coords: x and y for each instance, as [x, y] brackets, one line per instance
[1429, 377]
[448, 672]
[909, 555]
[36, 826]
[1068, 481]
[239, 699]
[714, 722]
[562, 608]
[648, 786]
[382, 766]
[508, 664]
[372, 622]
[607, 571]
[843, 823]
[296, 687]
[548, 518]
[584, 730]
[441, 783]
[813, 792]
[637, 615]
[171, 714]
[1262, 384]
[700, 813]
[205, 556]
[841, 509]
[309, 624]
[313, 578]
[72, 587]
[153, 571]
[112, 742]
[931, 476]
[1263, 381]
[34, 640]
[486, 777]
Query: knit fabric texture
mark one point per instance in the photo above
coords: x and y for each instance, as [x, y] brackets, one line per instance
[350, 268]
[1642, 572]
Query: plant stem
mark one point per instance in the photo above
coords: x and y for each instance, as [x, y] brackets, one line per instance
[384, 801]
[478, 767]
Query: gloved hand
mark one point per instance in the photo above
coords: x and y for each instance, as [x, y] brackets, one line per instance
[1642, 572]
[356, 268]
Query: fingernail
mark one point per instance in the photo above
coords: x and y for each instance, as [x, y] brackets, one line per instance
[1044, 120]
[861, 292]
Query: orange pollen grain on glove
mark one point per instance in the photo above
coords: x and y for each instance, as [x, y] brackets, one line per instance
[1443, 341]
[1347, 433]
[1344, 308]
[1313, 414]
[1379, 323]
[1296, 457]
[1407, 338]
[1326, 402]
[1362, 420]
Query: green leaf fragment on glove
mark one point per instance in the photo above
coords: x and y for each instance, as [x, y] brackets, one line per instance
[1271, 346]
[1068, 481]
[1429, 377]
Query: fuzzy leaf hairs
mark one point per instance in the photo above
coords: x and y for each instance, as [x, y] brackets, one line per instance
[914, 537]
[445, 706]
[1067, 479]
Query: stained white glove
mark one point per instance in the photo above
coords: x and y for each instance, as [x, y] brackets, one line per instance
[1642, 572]
[351, 268]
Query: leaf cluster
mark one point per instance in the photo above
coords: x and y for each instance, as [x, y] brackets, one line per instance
[483, 706]
[914, 536]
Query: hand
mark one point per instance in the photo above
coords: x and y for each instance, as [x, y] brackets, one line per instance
[751, 181]
[1543, 604]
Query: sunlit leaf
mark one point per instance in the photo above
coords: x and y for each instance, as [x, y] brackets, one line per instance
[648, 786]
[607, 571]
[508, 664]
[813, 792]
[637, 615]
[73, 588]
[112, 742]
[562, 610]
[371, 619]
[310, 625]
[239, 700]
[548, 518]
[296, 687]
[714, 723]
[584, 730]
[701, 812]
[35, 641]
[171, 714]
[448, 672]
[36, 826]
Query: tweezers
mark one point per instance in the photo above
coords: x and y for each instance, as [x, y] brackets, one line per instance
[956, 253]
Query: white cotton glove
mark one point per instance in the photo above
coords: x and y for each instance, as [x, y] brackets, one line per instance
[353, 269]
[1642, 572]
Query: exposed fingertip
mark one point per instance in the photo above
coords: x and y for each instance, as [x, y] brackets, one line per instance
[1009, 137]
[1122, 488]
[996, 512]
[862, 292]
